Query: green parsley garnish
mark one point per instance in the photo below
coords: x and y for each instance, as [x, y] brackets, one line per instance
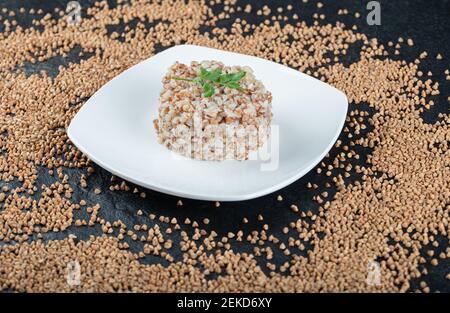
[207, 79]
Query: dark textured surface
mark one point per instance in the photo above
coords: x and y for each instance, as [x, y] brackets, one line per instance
[426, 22]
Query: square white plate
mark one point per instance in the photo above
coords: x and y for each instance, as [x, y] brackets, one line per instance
[114, 129]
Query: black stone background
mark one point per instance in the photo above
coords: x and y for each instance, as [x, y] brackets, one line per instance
[426, 22]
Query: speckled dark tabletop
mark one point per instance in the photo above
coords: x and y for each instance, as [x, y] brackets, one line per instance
[427, 22]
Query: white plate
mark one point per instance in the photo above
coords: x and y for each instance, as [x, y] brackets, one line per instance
[114, 129]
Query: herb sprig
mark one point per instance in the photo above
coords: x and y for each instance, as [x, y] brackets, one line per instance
[207, 79]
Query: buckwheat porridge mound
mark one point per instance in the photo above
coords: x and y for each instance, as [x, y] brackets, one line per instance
[229, 124]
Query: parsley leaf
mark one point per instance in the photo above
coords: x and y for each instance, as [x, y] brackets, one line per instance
[206, 79]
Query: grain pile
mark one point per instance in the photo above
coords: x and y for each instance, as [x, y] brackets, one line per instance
[389, 205]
